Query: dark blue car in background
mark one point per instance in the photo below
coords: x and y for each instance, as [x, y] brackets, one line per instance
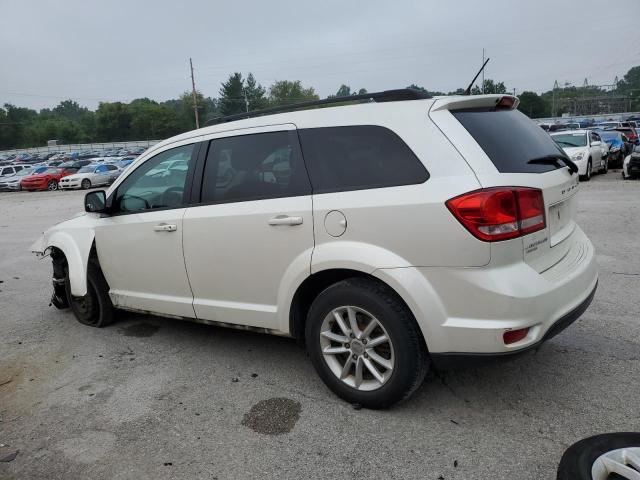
[617, 146]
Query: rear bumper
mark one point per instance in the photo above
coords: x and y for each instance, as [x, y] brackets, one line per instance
[466, 311]
[464, 360]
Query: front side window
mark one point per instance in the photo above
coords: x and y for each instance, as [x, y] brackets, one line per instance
[358, 157]
[254, 167]
[160, 182]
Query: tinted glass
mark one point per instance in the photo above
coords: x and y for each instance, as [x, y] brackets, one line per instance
[358, 157]
[510, 139]
[568, 140]
[252, 167]
[156, 183]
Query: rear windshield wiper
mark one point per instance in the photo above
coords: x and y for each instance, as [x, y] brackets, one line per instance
[555, 160]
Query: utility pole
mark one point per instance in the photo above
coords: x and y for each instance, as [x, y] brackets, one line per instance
[246, 102]
[483, 71]
[195, 98]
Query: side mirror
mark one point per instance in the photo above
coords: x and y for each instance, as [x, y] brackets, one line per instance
[596, 143]
[95, 202]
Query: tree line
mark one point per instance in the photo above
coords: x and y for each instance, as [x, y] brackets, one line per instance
[144, 118]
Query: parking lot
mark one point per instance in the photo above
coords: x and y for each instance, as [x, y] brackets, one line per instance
[156, 398]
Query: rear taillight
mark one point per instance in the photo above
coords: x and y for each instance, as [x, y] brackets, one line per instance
[500, 213]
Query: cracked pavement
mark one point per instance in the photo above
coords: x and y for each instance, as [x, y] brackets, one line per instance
[156, 398]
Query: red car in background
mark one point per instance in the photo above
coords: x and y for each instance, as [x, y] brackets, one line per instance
[47, 180]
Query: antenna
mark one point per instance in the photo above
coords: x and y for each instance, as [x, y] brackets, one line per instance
[468, 90]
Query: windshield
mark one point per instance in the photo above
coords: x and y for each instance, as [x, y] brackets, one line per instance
[568, 140]
[51, 170]
[25, 172]
[86, 170]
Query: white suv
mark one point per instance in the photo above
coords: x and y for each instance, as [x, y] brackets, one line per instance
[386, 235]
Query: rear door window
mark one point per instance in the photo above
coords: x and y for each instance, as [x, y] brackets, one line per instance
[510, 139]
[358, 157]
[254, 167]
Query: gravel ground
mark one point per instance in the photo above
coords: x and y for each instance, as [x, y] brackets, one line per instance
[157, 398]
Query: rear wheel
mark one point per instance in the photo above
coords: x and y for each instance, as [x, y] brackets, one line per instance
[52, 186]
[95, 308]
[85, 184]
[602, 457]
[605, 169]
[365, 344]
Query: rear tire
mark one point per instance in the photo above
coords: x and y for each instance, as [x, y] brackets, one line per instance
[95, 308]
[578, 460]
[404, 352]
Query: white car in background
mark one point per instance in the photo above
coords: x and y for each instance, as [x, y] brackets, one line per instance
[584, 148]
[91, 176]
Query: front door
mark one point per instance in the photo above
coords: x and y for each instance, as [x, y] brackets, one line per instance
[252, 230]
[140, 245]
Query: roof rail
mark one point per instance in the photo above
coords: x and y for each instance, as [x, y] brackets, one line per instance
[386, 96]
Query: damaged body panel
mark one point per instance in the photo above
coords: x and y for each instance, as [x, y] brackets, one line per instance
[74, 238]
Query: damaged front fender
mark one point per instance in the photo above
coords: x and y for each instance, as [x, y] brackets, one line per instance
[74, 238]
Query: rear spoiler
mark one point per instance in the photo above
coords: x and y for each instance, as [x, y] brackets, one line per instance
[498, 102]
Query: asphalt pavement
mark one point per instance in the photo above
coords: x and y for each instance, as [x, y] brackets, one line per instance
[155, 398]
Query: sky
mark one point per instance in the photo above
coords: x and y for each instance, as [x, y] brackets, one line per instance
[115, 50]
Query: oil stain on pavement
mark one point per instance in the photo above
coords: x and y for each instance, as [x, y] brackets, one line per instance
[139, 330]
[274, 416]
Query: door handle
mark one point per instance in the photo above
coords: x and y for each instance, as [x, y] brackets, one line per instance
[165, 227]
[285, 220]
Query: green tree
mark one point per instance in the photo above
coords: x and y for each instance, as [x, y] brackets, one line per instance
[70, 109]
[630, 85]
[255, 93]
[285, 92]
[413, 86]
[534, 105]
[113, 122]
[489, 87]
[232, 95]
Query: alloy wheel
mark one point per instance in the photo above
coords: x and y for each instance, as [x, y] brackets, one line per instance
[357, 348]
[625, 462]
[52, 186]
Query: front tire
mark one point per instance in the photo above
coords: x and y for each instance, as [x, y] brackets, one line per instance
[365, 344]
[95, 308]
[605, 169]
[52, 186]
[85, 184]
[588, 458]
[587, 176]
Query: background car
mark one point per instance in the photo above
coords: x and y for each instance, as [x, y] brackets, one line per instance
[584, 149]
[12, 183]
[630, 133]
[46, 180]
[631, 165]
[91, 176]
[617, 147]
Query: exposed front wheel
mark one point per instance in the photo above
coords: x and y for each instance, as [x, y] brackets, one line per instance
[587, 176]
[85, 184]
[95, 308]
[52, 186]
[365, 344]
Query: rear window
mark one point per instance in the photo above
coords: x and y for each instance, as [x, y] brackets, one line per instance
[358, 157]
[510, 139]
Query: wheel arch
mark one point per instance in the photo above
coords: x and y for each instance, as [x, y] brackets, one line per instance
[315, 283]
[76, 247]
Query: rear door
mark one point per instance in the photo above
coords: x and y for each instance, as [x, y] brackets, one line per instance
[504, 147]
[252, 228]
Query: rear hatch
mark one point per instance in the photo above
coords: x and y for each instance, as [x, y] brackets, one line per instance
[506, 148]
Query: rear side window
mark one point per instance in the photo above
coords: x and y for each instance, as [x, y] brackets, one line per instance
[254, 167]
[358, 157]
[510, 139]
